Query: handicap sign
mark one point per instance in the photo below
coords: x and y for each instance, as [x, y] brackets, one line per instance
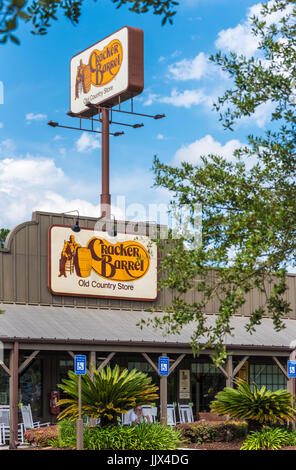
[80, 365]
[163, 365]
[291, 368]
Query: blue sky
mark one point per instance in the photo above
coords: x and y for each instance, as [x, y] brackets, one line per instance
[58, 170]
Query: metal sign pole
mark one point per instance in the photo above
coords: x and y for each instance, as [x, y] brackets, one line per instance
[79, 422]
[163, 370]
[80, 369]
[105, 196]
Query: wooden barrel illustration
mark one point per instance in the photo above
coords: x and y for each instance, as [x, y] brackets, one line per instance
[86, 78]
[82, 262]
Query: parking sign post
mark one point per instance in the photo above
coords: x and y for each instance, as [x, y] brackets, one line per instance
[163, 371]
[80, 369]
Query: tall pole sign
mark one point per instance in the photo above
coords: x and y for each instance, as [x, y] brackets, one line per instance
[108, 72]
[102, 76]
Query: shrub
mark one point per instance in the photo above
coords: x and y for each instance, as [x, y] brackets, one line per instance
[66, 433]
[43, 436]
[143, 436]
[269, 438]
[212, 432]
[110, 393]
[258, 407]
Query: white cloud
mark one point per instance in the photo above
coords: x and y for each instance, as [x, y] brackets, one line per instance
[206, 145]
[25, 184]
[1, 125]
[31, 184]
[160, 136]
[194, 69]
[186, 98]
[28, 172]
[87, 143]
[35, 117]
[240, 38]
[7, 146]
[261, 116]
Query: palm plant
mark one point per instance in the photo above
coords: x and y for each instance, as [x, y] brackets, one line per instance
[257, 407]
[108, 394]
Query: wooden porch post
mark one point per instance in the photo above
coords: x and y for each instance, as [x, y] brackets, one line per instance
[13, 395]
[163, 384]
[229, 370]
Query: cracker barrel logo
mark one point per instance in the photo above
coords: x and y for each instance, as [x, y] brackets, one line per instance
[125, 261]
[102, 67]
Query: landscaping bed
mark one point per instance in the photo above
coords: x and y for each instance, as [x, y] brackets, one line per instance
[200, 435]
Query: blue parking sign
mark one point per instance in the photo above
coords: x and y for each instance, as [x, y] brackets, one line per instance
[80, 365]
[163, 365]
[291, 368]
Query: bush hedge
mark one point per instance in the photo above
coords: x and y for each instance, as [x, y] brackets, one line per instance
[200, 432]
[42, 437]
[140, 437]
[269, 439]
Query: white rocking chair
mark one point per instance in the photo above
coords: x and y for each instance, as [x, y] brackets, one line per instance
[28, 420]
[2, 434]
[171, 415]
[5, 425]
[150, 411]
[185, 414]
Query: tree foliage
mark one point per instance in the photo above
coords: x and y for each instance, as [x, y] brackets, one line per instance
[248, 203]
[42, 13]
[3, 235]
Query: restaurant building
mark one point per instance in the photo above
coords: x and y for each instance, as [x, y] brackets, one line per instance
[70, 287]
[41, 330]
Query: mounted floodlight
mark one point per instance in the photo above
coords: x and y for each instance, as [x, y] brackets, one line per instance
[91, 105]
[69, 113]
[116, 134]
[159, 116]
[75, 227]
[136, 126]
[53, 124]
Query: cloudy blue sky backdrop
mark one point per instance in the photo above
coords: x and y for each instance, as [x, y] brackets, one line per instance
[58, 170]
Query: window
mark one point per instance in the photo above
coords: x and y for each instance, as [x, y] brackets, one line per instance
[30, 386]
[269, 375]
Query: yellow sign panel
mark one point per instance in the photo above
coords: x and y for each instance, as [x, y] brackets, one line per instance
[101, 68]
[81, 264]
[127, 261]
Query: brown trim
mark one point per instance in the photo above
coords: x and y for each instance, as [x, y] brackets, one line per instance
[162, 345]
[136, 299]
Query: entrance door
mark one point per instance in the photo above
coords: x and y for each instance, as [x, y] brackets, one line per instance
[205, 385]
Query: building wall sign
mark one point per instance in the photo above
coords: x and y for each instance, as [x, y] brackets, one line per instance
[184, 384]
[92, 264]
[109, 71]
